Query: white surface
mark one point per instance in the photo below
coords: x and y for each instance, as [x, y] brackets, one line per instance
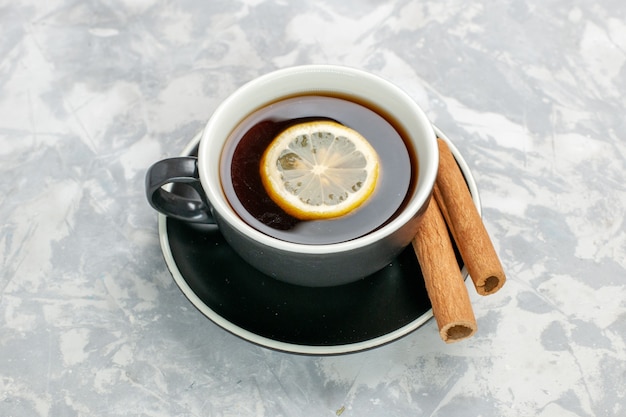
[91, 93]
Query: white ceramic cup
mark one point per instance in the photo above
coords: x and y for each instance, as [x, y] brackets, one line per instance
[298, 263]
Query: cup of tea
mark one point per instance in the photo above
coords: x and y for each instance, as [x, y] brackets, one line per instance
[316, 175]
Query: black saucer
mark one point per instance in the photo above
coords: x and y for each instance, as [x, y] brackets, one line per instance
[368, 313]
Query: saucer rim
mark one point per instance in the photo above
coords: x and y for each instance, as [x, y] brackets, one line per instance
[304, 349]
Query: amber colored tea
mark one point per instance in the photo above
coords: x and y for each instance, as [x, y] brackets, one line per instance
[241, 180]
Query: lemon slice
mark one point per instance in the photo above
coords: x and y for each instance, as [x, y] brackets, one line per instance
[319, 170]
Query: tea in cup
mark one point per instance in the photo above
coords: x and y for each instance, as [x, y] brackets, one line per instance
[352, 165]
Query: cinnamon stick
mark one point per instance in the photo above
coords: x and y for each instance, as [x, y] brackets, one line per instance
[466, 225]
[444, 283]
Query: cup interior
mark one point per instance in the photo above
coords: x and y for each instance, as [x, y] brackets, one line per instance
[381, 95]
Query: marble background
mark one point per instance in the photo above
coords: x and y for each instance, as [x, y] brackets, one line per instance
[92, 92]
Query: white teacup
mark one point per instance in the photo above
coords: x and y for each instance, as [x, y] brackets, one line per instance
[300, 263]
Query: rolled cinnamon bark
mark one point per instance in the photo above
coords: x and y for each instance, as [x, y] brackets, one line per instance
[444, 283]
[466, 225]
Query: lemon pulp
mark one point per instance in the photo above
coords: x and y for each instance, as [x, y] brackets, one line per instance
[319, 170]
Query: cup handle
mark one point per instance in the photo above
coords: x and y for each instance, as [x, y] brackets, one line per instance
[179, 170]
